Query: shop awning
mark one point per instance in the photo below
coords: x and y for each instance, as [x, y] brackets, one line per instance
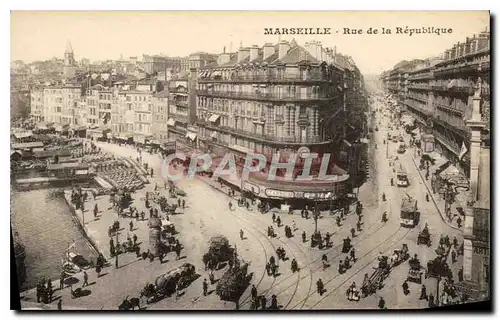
[171, 122]
[24, 134]
[140, 139]
[213, 118]
[191, 135]
[441, 164]
[213, 135]
[451, 172]
[241, 149]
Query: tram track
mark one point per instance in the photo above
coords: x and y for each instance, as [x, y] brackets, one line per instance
[336, 256]
[370, 261]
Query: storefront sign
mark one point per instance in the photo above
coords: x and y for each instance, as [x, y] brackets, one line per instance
[482, 251]
[251, 187]
[279, 193]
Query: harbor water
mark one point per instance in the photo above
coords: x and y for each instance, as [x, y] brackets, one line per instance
[45, 227]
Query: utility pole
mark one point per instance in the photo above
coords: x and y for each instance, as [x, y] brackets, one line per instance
[116, 250]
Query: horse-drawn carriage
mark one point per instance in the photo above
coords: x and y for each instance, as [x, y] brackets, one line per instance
[234, 282]
[375, 281]
[438, 267]
[346, 245]
[219, 251]
[168, 283]
[424, 237]
[415, 274]
[399, 256]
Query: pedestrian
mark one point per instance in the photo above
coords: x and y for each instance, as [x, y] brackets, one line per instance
[304, 237]
[142, 215]
[453, 256]
[294, 226]
[320, 286]
[274, 217]
[358, 226]
[431, 300]
[38, 292]
[160, 256]
[230, 205]
[381, 303]
[131, 224]
[254, 292]
[423, 293]
[278, 221]
[85, 279]
[406, 288]
[59, 304]
[61, 280]
[427, 197]
[455, 242]
[96, 210]
[459, 222]
[134, 238]
[353, 255]
[150, 213]
[205, 287]
[461, 274]
[183, 204]
[179, 202]
[353, 232]
[241, 234]
[263, 302]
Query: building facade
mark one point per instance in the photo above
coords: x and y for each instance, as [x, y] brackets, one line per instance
[275, 100]
[36, 104]
[439, 94]
[449, 97]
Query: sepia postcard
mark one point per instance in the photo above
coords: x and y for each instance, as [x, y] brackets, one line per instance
[250, 160]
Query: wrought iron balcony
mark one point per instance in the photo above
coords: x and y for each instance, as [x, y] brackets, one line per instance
[263, 96]
[261, 137]
[263, 78]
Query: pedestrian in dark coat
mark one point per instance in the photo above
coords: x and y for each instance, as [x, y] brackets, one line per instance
[96, 210]
[453, 256]
[205, 287]
[85, 279]
[61, 280]
[254, 292]
[134, 238]
[131, 224]
[423, 293]
[406, 288]
[263, 302]
[59, 304]
[381, 303]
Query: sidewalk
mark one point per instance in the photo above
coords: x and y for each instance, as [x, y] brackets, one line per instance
[440, 203]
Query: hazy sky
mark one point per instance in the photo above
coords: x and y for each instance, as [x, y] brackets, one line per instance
[99, 35]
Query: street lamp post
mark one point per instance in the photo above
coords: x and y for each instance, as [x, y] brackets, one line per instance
[116, 250]
[316, 214]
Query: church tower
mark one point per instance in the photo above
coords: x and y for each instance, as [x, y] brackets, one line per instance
[69, 69]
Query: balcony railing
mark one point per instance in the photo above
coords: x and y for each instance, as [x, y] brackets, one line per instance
[419, 86]
[313, 77]
[423, 99]
[426, 75]
[262, 96]
[180, 103]
[261, 137]
[447, 108]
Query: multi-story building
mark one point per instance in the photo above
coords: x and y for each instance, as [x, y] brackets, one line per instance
[160, 102]
[275, 100]
[450, 98]
[439, 95]
[53, 104]
[200, 60]
[36, 104]
[181, 112]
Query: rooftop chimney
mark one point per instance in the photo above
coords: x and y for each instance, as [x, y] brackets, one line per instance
[268, 50]
[283, 48]
[243, 53]
[254, 52]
